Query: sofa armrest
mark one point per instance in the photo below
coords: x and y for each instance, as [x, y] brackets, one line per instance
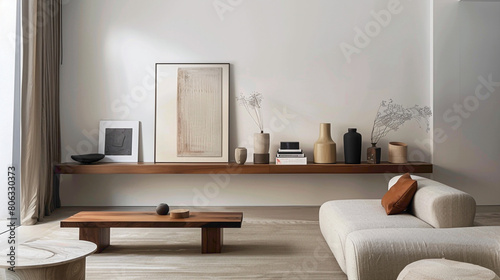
[440, 205]
[383, 253]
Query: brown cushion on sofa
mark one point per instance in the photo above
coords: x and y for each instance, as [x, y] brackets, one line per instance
[397, 198]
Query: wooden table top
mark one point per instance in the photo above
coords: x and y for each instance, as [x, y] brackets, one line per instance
[105, 219]
[46, 253]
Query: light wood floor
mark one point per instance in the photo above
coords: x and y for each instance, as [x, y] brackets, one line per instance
[273, 243]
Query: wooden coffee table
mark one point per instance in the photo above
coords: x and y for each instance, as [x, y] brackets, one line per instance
[95, 225]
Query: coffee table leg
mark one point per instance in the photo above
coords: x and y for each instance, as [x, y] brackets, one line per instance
[99, 236]
[211, 240]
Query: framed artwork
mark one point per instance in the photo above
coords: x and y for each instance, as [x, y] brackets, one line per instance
[119, 141]
[192, 112]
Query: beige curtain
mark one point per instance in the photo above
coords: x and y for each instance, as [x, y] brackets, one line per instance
[40, 150]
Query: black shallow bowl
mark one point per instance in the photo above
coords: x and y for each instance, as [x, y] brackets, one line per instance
[88, 158]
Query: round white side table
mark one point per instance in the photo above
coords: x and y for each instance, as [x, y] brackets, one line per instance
[48, 260]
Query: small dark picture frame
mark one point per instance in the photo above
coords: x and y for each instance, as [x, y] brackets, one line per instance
[119, 140]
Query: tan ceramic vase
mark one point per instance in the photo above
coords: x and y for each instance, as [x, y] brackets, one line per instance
[325, 149]
[398, 152]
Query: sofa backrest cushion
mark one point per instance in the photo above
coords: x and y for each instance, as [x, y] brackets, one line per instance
[440, 205]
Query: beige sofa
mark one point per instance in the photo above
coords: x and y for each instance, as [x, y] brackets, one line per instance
[368, 244]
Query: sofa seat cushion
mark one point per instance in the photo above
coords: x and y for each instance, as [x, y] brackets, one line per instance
[374, 254]
[338, 218]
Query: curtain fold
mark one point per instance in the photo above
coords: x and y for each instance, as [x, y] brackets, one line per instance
[40, 127]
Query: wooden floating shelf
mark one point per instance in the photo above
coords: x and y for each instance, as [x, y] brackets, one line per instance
[233, 168]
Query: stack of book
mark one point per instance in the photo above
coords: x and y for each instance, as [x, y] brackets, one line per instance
[290, 153]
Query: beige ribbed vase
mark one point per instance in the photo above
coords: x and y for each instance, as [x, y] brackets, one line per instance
[398, 152]
[325, 149]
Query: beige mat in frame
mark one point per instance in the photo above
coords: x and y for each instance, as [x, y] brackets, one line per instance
[192, 112]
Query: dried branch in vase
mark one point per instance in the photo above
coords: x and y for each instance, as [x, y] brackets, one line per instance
[253, 104]
[391, 116]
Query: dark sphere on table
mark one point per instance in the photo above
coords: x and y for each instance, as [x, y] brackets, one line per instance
[162, 209]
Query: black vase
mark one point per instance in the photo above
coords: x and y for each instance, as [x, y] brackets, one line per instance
[352, 146]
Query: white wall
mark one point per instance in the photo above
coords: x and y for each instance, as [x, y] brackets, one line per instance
[467, 49]
[7, 59]
[289, 50]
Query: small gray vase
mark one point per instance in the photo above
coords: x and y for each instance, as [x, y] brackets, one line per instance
[240, 155]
